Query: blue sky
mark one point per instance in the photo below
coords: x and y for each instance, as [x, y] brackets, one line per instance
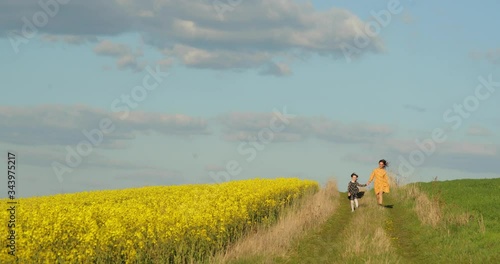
[223, 77]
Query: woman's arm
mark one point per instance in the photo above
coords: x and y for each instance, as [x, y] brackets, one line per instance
[371, 177]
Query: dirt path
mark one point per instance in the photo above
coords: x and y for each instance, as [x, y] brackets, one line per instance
[324, 245]
[403, 226]
[363, 236]
[371, 234]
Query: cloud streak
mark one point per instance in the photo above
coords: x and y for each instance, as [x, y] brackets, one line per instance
[492, 55]
[240, 126]
[64, 125]
[69, 39]
[415, 108]
[43, 156]
[478, 131]
[125, 57]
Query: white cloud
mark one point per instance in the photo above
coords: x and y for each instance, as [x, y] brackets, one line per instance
[109, 48]
[278, 69]
[250, 36]
[125, 57]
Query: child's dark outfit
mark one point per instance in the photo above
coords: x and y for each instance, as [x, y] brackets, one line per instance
[353, 189]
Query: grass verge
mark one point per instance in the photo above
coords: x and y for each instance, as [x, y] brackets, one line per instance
[267, 243]
[447, 222]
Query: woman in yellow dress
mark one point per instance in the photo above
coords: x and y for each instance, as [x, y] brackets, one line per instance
[381, 180]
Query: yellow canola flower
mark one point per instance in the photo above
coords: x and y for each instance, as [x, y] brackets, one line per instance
[159, 224]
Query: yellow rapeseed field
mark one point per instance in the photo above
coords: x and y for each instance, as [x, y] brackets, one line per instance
[158, 224]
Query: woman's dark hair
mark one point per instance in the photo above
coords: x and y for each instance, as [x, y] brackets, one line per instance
[354, 174]
[386, 164]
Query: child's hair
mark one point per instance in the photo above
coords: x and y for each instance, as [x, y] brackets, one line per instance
[354, 174]
[386, 164]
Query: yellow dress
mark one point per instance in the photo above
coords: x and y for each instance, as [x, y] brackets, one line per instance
[381, 180]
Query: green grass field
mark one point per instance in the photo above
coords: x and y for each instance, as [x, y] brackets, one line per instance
[469, 231]
[437, 222]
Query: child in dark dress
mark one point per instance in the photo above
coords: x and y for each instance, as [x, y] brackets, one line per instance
[353, 190]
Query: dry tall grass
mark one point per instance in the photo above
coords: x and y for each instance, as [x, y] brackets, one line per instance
[428, 210]
[275, 240]
[433, 211]
[366, 238]
[482, 227]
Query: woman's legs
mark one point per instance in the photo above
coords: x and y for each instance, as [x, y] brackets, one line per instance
[380, 198]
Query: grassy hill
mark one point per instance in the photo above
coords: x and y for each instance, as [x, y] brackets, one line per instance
[438, 222]
[467, 229]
